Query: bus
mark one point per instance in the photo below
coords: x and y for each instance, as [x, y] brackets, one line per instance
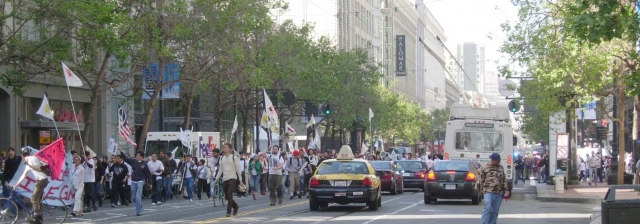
[475, 133]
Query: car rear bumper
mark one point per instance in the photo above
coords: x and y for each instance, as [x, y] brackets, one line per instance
[386, 184]
[329, 195]
[438, 190]
[413, 183]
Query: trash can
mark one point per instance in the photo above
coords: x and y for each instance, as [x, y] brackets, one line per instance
[558, 180]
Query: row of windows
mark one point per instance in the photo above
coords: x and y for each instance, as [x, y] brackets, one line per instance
[364, 19]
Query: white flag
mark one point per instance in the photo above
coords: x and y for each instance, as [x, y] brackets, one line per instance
[91, 152]
[235, 126]
[317, 141]
[364, 149]
[185, 136]
[70, 77]
[264, 121]
[173, 153]
[45, 109]
[270, 109]
[289, 129]
[113, 148]
[311, 122]
[290, 147]
[370, 114]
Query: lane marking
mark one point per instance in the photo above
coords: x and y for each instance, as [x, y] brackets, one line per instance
[392, 213]
[349, 213]
[252, 212]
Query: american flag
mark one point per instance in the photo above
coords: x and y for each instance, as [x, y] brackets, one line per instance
[125, 131]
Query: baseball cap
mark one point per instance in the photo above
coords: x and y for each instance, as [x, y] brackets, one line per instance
[494, 156]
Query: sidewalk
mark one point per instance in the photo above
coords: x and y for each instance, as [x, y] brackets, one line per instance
[581, 193]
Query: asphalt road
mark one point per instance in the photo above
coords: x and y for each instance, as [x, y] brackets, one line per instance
[402, 208]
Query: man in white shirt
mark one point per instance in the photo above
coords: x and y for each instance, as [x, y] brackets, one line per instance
[89, 180]
[156, 168]
[276, 163]
[33, 165]
[228, 170]
[213, 167]
[429, 163]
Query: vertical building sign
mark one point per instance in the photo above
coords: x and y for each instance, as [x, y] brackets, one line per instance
[401, 68]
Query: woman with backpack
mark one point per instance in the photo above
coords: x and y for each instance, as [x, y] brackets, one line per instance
[255, 169]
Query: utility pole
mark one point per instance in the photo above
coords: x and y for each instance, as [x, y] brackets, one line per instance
[613, 176]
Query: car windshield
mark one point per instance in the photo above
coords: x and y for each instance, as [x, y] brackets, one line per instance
[410, 165]
[336, 167]
[381, 165]
[452, 165]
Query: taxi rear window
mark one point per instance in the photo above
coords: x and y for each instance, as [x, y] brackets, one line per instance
[337, 167]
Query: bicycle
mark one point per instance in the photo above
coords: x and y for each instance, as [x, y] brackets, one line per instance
[146, 193]
[218, 194]
[10, 212]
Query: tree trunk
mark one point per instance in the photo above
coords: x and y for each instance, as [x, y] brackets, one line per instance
[326, 134]
[187, 115]
[635, 129]
[621, 145]
[245, 134]
[95, 93]
[152, 104]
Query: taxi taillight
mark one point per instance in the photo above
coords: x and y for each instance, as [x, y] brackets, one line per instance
[366, 182]
[314, 182]
[470, 177]
[431, 176]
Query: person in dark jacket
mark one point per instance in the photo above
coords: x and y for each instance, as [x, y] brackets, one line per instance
[140, 173]
[167, 175]
[10, 167]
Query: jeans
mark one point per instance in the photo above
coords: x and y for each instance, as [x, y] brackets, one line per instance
[283, 185]
[491, 208]
[254, 183]
[36, 197]
[593, 175]
[97, 189]
[542, 174]
[89, 196]
[188, 182]
[202, 185]
[212, 187]
[136, 195]
[301, 184]
[168, 184]
[157, 187]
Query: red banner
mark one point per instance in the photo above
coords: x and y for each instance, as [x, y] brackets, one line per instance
[53, 155]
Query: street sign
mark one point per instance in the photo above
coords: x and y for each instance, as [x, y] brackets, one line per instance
[507, 87]
[562, 145]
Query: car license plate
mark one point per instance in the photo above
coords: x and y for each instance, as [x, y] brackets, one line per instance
[450, 187]
[341, 183]
[406, 174]
[358, 193]
[341, 194]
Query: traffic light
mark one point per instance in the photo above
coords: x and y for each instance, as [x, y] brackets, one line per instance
[327, 110]
[514, 106]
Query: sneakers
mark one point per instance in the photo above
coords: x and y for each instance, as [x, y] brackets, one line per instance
[114, 206]
[159, 203]
[254, 196]
[299, 196]
[279, 201]
[153, 204]
[235, 211]
[190, 200]
[291, 198]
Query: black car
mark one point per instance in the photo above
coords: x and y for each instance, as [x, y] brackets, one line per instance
[413, 173]
[390, 178]
[453, 179]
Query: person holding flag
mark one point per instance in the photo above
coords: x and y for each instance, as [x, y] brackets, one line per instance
[34, 165]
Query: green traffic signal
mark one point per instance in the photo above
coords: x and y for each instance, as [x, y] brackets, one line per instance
[327, 110]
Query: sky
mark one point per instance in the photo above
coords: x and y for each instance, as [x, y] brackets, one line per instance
[473, 21]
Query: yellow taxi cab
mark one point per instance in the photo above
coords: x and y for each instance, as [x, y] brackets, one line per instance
[344, 180]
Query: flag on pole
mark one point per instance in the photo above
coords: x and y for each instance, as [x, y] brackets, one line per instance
[370, 114]
[290, 144]
[364, 149]
[113, 148]
[311, 122]
[235, 126]
[45, 109]
[125, 130]
[290, 129]
[317, 141]
[70, 77]
[185, 135]
[53, 155]
[264, 122]
[270, 109]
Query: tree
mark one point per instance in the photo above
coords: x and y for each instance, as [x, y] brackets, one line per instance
[569, 71]
[439, 118]
[34, 35]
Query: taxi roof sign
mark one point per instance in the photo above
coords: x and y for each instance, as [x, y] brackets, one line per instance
[345, 153]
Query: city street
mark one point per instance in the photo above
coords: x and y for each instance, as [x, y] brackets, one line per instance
[401, 208]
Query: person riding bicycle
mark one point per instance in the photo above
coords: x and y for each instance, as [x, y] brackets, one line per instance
[34, 165]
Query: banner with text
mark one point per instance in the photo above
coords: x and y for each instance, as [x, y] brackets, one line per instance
[59, 188]
[170, 73]
[401, 68]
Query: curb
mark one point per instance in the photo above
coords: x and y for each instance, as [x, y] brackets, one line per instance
[569, 200]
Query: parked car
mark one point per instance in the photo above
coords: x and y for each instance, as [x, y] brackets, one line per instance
[391, 179]
[453, 179]
[413, 173]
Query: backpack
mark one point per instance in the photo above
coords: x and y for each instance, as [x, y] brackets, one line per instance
[313, 168]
